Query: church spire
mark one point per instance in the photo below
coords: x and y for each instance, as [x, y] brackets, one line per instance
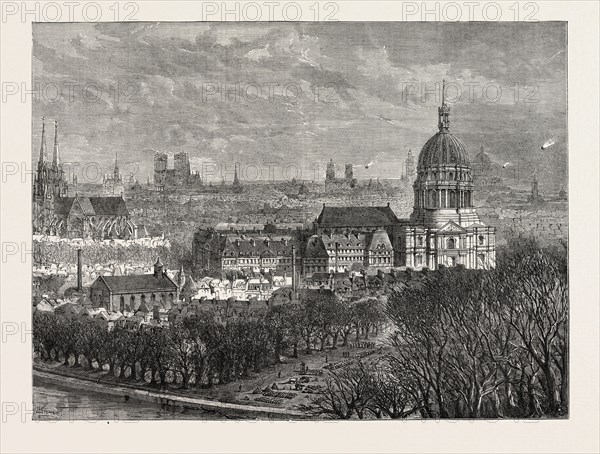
[116, 175]
[56, 152]
[236, 179]
[444, 111]
[43, 151]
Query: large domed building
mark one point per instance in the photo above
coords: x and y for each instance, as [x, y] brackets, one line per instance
[444, 228]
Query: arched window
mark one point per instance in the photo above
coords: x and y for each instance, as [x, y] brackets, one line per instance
[420, 241]
[171, 297]
[143, 298]
[450, 243]
[153, 298]
[132, 301]
[481, 240]
[451, 176]
[418, 260]
[452, 201]
[481, 260]
[122, 303]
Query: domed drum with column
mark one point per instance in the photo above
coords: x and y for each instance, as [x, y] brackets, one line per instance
[444, 228]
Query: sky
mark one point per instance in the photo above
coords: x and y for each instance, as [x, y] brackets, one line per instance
[281, 99]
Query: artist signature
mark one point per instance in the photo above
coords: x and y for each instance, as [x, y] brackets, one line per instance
[41, 411]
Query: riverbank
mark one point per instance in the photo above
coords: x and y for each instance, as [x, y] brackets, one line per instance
[164, 399]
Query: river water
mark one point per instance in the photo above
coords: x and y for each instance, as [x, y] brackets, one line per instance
[52, 401]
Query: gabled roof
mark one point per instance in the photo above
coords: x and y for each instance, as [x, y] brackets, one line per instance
[109, 206]
[380, 238]
[62, 205]
[356, 217]
[315, 248]
[451, 226]
[86, 205]
[138, 283]
[90, 206]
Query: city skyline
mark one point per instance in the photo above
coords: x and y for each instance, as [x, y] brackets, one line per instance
[368, 94]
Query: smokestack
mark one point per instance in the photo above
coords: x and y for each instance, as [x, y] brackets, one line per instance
[79, 264]
[294, 283]
[337, 248]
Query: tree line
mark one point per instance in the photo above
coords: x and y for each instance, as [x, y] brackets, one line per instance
[469, 344]
[200, 351]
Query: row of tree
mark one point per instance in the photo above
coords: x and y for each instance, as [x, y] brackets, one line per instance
[472, 344]
[200, 351]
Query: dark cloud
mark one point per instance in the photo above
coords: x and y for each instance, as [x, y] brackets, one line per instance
[309, 91]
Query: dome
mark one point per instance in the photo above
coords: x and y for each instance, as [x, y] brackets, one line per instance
[443, 149]
[482, 158]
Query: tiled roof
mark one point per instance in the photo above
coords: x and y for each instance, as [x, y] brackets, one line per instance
[99, 206]
[356, 217]
[256, 246]
[380, 237]
[138, 283]
[62, 205]
[345, 241]
[109, 206]
[315, 248]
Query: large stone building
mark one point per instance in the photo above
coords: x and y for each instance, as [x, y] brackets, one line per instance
[179, 176]
[49, 183]
[55, 213]
[332, 182]
[351, 238]
[444, 228]
[342, 252]
[248, 252]
[132, 292]
[485, 173]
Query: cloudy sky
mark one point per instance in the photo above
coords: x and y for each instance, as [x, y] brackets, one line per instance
[286, 97]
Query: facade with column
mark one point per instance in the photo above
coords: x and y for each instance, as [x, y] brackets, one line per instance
[444, 228]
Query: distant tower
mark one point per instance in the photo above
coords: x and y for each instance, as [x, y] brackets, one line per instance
[237, 186]
[535, 196]
[58, 181]
[49, 183]
[534, 188]
[180, 278]
[43, 150]
[349, 176]
[411, 170]
[116, 174]
[349, 172]
[330, 172]
[160, 170]
[181, 164]
[56, 151]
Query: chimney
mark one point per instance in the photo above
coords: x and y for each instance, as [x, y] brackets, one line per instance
[79, 264]
[294, 278]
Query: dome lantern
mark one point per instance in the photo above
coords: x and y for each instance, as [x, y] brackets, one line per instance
[444, 111]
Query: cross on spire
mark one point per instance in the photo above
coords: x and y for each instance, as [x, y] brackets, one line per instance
[56, 152]
[444, 111]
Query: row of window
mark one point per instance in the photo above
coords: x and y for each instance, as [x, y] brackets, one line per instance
[143, 298]
[451, 261]
[448, 175]
[381, 260]
[451, 242]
